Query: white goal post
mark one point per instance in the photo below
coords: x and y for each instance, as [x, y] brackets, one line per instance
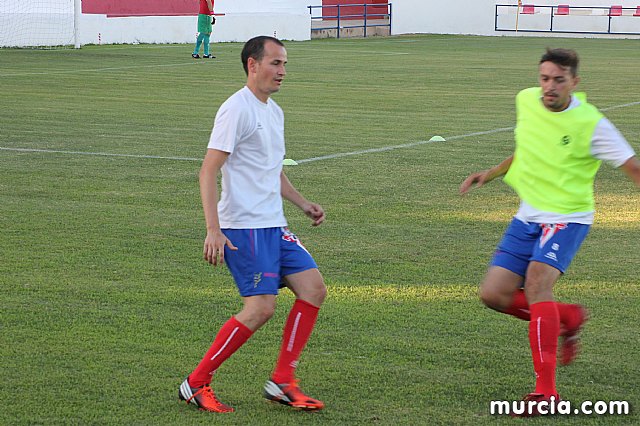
[40, 23]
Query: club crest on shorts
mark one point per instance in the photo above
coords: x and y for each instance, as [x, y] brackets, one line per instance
[549, 230]
[289, 236]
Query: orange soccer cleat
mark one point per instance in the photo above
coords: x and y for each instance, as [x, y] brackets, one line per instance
[203, 398]
[290, 394]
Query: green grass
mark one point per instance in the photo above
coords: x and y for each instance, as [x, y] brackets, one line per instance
[106, 304]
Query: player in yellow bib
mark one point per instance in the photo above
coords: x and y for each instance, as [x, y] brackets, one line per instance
[560, 142]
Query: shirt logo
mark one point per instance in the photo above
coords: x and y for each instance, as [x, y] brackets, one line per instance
[566, 140]
[260, 126]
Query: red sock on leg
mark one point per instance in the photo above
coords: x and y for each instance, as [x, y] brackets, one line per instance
[570, 314]
[519, 307]
[229, 339]
[297, 330]
[544, 329]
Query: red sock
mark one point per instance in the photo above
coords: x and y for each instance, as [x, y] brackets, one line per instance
[544, 329]
[519, 307]
[231, 336]
[297, 330]
[570, 314]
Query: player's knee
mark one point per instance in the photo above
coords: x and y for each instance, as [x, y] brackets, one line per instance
[320, 292]
[490, 297]
[265, 313]
[262, 313]
[315, 293]
[255, 315]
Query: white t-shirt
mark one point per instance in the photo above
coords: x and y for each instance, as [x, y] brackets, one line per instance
[252, 132]
[607, 144]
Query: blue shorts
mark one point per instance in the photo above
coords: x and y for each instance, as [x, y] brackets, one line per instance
[554, 244]
[264, 257]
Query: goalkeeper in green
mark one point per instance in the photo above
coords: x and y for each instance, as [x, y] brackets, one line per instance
[205, 22]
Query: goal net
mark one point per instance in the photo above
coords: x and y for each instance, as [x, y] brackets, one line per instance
[39, 23]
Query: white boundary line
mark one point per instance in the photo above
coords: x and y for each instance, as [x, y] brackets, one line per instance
[104, 69]
[99, 154]
[354, 52]
[406, 145]
[306, 160]
[412, 144]
[620, 106]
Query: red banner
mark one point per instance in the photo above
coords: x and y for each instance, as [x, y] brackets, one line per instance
[122, 8]
[353, 12]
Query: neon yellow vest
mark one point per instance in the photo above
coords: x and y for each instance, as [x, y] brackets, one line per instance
[552, 168]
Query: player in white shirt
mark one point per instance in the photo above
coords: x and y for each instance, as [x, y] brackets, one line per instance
[247, 230]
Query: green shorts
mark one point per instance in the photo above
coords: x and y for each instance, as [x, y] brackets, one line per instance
[204, 24]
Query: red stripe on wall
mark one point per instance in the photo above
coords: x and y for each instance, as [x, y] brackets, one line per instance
[356, 12]
[121, 8]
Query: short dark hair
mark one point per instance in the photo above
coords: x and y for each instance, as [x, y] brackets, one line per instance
[566, 58]
[254, 48]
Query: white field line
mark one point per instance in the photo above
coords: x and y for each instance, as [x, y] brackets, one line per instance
[354, 52]
[450, 138]
[306, 160]
[142, 46]
[391, 40]
[99, 154]
[620, 106]
[190, 63]
[104, 69]
[405, 145]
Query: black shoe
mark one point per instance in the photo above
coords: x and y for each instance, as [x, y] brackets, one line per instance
[208, 56]
[195, 56]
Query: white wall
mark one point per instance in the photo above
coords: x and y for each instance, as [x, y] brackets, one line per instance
[290, 20]
[285, 19]
[96, 29]
[478, 17]
[316, 11]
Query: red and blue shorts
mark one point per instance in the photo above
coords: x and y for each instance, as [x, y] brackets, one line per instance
[555, 244]
[264, 257]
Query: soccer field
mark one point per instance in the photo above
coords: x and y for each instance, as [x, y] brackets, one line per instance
[107, 304]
